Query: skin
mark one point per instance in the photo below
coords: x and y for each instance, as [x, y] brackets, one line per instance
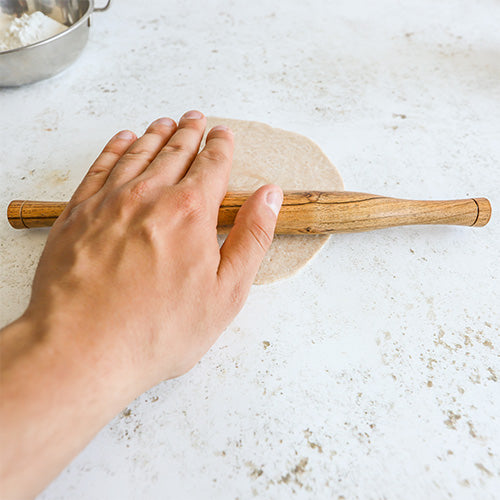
[131, 289]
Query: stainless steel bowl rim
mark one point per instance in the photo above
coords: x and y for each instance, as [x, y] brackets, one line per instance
[74, 26]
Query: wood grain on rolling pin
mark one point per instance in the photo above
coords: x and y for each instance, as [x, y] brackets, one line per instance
[310, 212]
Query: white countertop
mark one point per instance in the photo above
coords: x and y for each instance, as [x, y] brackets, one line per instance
[374, 372]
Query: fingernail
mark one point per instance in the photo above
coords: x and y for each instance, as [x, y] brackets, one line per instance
[192, 115]
[274, 199]
[164, 121]
[222, 128]
[125, 134]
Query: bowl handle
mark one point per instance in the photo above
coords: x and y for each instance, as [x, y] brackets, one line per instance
[102, 9]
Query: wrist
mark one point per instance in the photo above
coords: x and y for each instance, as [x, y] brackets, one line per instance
[53, 390]
[71, 353]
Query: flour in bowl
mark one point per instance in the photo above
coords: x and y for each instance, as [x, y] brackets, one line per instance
[18, 32]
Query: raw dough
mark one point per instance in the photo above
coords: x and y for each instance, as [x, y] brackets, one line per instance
[262, 155]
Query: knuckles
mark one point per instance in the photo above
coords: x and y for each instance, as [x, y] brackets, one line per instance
[139, 155]
[214, 156]
[128, 196]
[237, 296]
[97, 169]
[189, 202]
[261, 235]
[139, 191]
[127, 202]
[174, 148]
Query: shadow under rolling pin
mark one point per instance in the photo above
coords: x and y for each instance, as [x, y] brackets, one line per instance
[310, 212]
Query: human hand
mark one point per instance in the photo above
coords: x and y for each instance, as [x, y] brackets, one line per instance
[131, 289]
[132, 273]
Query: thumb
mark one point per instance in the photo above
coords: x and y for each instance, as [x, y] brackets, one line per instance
[250, 238]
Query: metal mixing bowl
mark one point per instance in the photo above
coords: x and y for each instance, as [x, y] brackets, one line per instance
[48, 57]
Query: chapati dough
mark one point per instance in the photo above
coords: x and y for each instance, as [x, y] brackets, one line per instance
[263, 155]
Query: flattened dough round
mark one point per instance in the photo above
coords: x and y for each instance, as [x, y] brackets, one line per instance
[263, 155]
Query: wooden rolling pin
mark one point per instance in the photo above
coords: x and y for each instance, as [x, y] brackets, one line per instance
[310, 212]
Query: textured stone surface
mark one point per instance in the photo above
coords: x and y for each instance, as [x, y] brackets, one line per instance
[373, 373]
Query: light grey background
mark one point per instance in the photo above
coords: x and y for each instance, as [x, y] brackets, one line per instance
[380, 379]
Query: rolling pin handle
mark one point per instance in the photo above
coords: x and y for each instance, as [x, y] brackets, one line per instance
[25, 214]
[14, 214]
[483, 212]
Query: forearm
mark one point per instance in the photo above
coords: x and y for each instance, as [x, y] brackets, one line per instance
[132, 288]
[55, 396]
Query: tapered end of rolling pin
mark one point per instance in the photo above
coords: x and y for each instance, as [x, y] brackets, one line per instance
[14, 211]
[483, 212]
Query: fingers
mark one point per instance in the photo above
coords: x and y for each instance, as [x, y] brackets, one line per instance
[99, 171]
[210, 170]
[248, 241]
[141, 153]
[175, 158]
